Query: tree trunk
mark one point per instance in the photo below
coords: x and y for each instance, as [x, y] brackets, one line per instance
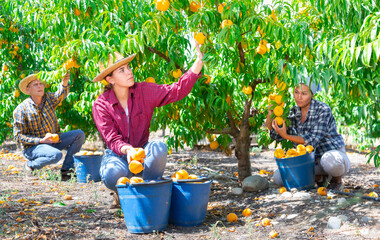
[242, 154]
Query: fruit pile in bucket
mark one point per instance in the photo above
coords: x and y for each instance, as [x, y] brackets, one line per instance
[299, 151]
[88, 153]
[125, 180]
[183, 174]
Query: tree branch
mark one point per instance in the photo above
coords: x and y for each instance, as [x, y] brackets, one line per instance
[254, 112]
[247, 107]
[257, 81]
[241, 53]
[234, 131]
[153, 50]
[215, 131]
[246, 32]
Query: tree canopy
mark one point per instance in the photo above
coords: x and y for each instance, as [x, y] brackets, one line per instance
[251, 50]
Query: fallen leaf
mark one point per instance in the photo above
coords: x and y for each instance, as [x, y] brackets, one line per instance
[59, 204]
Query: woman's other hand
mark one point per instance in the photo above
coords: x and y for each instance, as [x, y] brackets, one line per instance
[280, 130]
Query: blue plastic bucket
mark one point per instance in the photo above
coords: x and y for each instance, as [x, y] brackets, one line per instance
[87, 167]
[297, 172]
[189, 203]
[146, 205]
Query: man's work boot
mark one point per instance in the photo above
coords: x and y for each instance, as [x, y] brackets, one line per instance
[115, 201]
[29, 172]
[67, 174]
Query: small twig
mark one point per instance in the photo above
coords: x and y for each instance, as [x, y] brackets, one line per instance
[213, 171]
[356, 195]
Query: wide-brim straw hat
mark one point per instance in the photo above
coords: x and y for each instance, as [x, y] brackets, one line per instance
[24, 82]
[112, 65]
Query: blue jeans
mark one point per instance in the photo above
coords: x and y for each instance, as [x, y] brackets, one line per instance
[45, 154]
[114, 166]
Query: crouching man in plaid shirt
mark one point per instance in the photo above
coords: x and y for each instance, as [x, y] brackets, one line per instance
[36, 127]
[312, 123]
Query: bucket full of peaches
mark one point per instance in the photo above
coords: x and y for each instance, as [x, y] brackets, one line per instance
[145, 203]
[189, 199]
[296, 167]
[87, 165]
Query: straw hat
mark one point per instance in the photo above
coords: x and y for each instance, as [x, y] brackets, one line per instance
[24, 82]
[112, 65]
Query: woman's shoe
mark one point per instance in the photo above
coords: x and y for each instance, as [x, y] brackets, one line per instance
[336, 184]
[320, 180]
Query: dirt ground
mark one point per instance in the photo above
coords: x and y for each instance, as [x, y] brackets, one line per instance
[37, 209]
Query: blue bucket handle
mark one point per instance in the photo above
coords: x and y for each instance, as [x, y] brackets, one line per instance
[161, 181]
[201, 179]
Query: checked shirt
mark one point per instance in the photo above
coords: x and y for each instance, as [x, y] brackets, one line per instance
[31, 123]
[318, 130]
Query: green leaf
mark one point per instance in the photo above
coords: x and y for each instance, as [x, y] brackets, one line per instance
[91, 211]
[335, 76]
[325, 80]
[366, 57]
[353, 44]
[376, 48]
[59, 204]
[357, 53]
[374, 33]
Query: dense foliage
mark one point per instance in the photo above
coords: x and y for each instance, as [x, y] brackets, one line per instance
[247, 44]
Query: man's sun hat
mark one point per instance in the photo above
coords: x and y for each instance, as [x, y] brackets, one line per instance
[112, 65]
[24, 82]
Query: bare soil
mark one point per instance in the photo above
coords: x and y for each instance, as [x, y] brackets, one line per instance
[36, 209]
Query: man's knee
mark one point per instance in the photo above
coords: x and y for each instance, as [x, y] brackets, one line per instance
[80, 136]
[54, 156]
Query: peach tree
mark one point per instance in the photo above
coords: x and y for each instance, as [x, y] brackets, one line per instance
[254, 52]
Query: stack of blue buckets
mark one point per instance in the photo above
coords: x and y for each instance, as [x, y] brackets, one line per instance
[150, 206]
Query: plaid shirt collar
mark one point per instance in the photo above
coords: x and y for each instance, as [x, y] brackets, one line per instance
[31, 102]
[297, 113]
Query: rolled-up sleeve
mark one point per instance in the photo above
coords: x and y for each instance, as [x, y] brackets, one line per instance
[58, 96]
[107, 127]
[319, 130]
[160, 95]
